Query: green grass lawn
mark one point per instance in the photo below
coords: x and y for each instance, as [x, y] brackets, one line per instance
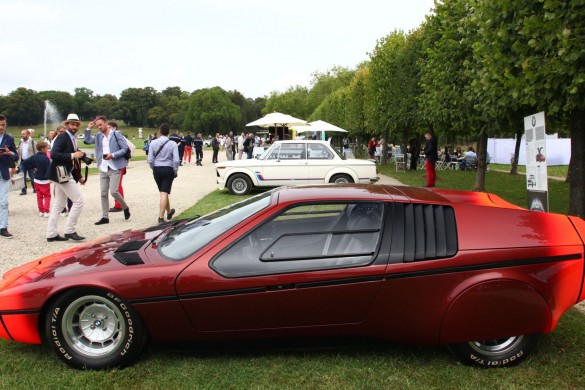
[510, 187]
[556, 170]
[557, 363]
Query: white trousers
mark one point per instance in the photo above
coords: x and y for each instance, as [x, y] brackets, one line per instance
[62, 192]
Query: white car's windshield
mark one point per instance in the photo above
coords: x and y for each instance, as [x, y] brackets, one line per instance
[194, 235]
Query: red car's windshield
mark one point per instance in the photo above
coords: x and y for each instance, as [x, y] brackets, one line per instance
[192, 236]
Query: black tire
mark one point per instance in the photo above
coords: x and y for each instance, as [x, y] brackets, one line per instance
[341, 178]
[94, 329]
[239, 184]
[502, 352]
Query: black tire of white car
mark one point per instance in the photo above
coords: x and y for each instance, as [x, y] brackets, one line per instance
[239, 184]
[503, 352]
[341, 178]
[94, 329]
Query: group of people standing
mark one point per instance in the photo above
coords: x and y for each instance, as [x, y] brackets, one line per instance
[43, 170]
[58, 161]
[244, 144]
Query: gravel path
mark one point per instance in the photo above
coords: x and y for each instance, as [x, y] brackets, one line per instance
[140, 191]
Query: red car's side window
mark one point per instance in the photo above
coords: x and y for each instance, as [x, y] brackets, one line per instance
[306, 238]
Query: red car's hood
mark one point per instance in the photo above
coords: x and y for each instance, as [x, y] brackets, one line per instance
[93, 254]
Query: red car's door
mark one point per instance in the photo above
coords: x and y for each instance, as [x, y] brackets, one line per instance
[312, 265]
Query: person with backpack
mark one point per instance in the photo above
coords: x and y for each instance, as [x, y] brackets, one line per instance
[117, 206]
[112, 154]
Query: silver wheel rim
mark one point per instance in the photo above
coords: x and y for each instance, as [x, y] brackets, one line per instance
[93, 326]
[239, 185]
[496, 347]
[341, 180]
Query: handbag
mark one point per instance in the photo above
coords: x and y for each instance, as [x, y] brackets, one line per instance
[62, 174]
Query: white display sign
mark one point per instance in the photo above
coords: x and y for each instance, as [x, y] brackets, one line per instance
[536, 167]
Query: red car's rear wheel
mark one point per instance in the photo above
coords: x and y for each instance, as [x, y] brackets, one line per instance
[94, 329]
[496, 352]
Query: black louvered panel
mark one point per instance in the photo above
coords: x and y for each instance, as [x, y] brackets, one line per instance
[397, 244]
[450, 231]
[429, 232]
[131, 246]
[440, 234]
[419, 221]
[430, 239]
[409, 232]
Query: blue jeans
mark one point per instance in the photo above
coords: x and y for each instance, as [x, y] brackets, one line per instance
[31, 173]
[4, 189]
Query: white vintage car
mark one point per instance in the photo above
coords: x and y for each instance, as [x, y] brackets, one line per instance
[293, 163]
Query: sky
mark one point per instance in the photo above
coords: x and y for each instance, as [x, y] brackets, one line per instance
[253, 46]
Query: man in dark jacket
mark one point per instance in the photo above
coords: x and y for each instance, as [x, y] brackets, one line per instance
[431, 155]
[198, 145]
[8, 158]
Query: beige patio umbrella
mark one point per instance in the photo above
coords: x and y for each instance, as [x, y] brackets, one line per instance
[277, 119]
[321, 126]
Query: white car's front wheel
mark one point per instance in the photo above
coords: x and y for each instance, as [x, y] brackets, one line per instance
[239, 184]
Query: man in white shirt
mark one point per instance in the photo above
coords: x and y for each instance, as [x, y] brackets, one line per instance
[26, 149]
[110, 151]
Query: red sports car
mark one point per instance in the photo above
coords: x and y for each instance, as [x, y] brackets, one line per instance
[422, 266]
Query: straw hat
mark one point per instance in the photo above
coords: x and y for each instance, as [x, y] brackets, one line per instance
[72, 118]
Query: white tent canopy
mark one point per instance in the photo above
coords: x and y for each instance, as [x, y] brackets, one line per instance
[277, 119]
[319, 126]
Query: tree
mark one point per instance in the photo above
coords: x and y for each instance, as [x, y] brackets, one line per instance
[333, 109]
[107, 105]
[24, 107]
[84, 98]
[541, 63]
[63, 101]
[356, 102]
[324, 84]
[294, 101]
[447, 72]
[394, 85]
[136, 103]
[210, 111]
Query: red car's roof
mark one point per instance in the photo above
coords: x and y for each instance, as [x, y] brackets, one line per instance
[385, 192]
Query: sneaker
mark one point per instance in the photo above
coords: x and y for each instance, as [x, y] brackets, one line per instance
[45, 215]
[41, 214]
[4, 233]
[64, 213]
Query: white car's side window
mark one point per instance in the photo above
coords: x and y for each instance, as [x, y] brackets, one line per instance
[274, 153]
[319, 152]
[292, 152]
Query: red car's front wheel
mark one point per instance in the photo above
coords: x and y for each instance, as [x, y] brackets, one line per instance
[94, 329]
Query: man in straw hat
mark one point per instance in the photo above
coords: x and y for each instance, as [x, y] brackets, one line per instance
[63, 152]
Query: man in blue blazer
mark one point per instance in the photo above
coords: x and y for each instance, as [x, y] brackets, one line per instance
[110, 149]
[8, 157]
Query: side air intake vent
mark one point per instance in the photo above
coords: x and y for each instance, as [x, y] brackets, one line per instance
[423, 232]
